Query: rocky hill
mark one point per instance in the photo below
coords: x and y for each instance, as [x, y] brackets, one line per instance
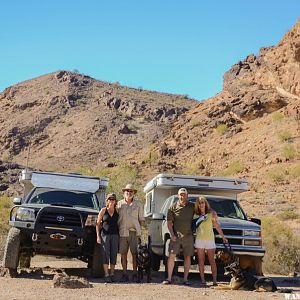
[64, 120]
[251, 129]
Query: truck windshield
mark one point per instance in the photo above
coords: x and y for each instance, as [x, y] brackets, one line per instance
[63, 198]
[224, 207]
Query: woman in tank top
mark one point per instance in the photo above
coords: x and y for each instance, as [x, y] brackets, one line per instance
[108, 235]
[205, 239]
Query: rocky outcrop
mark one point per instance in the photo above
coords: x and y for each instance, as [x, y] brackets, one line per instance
[70, 282]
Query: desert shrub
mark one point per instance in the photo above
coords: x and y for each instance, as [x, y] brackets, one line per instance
[234, 168]
[194, 123]
[295, 171]
[5, 206]
[282, 247]
[277, 174]
[289, 151]
[277, 116]
[119, 176]
[288, 215]
[151, 158]
[285, 136]
[221, 129]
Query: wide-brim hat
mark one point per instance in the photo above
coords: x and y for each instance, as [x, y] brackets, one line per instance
[129, 186]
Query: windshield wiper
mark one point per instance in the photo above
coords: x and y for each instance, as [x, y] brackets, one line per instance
[61, 204]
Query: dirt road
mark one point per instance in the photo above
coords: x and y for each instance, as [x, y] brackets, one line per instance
[36, 283]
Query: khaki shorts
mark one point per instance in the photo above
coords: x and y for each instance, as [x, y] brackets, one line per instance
[185, 243]
[128, 242]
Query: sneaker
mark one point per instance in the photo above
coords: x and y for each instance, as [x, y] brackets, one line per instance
[112, 278]
[124, 278]
[187, 283]
[107, 279]
[167, 281]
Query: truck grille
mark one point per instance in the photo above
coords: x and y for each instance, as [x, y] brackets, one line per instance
[61, 219]
[230, 232]
[230, 241]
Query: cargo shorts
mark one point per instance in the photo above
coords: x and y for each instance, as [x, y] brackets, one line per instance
[128, 242]
[186, 243]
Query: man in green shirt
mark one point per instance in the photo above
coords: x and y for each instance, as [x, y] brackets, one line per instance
[179, 218]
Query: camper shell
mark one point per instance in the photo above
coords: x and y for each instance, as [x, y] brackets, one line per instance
[55, 216]
[243, 234]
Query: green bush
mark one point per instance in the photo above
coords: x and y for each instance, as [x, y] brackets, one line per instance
[282, 247]
[295, 171]
[285, 136]
[277, 116]
[5, 206]
[221, 129]
[234, 168]
[288, 215]
[277, 174]
[290, 152]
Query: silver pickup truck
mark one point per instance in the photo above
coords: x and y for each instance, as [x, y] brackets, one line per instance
[243, 234]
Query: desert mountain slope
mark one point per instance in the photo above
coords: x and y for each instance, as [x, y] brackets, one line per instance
[72, 120]
[251, 129]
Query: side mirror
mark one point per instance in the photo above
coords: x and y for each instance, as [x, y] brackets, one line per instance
[17, 200]
[158, 216]
[256, 221]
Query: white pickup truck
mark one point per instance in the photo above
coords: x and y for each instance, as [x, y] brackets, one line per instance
[243, 234]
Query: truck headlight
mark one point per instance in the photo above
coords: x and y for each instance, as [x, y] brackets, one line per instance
[252, 242]
[91, 220]
[24, 214]
[251, 233]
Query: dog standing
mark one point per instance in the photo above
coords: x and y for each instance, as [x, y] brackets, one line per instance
[143, 262]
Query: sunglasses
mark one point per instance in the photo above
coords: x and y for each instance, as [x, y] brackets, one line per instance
[111, 199]
[129, 191]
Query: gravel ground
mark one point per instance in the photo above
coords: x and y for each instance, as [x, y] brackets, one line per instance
[37, 283]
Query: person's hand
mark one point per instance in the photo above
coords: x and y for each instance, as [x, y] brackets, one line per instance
[98, 240]
[225, 241]
[173, 237]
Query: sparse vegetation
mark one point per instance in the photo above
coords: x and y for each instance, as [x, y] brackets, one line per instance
[221, 129]
[277, 116]
[5, 206]
[277, 174]
[295, 171]
[289, 151]
[288, 215]
[234, 168]
[282, 247]
[194, 123]
[285, 136]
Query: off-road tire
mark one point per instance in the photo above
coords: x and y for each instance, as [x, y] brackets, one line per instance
[96, 263]
[12, 250]
[25, 260]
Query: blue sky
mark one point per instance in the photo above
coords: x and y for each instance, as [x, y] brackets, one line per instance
[181, 47]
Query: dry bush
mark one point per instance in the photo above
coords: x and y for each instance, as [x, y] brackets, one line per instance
[234, 168]
[5, 205]
[282, 247]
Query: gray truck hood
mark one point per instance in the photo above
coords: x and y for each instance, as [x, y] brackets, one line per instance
[231, 223]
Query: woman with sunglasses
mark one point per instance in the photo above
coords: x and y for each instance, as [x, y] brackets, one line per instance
[108, 235]
[205, 239]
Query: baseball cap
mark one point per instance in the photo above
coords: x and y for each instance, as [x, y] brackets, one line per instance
[182, 191]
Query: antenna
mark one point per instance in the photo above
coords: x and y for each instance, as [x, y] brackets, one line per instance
[28, 154]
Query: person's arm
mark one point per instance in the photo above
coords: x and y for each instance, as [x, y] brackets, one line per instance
[170, 223]
[218, 227]
[99, 223]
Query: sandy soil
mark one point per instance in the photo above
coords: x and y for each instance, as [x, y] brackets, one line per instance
[34, 283]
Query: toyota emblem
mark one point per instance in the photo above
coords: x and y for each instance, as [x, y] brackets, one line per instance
[60, 218]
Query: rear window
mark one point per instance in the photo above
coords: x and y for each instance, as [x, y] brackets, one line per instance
[223, 207]
[63, 198]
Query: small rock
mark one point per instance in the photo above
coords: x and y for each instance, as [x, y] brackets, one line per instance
[70, 282]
